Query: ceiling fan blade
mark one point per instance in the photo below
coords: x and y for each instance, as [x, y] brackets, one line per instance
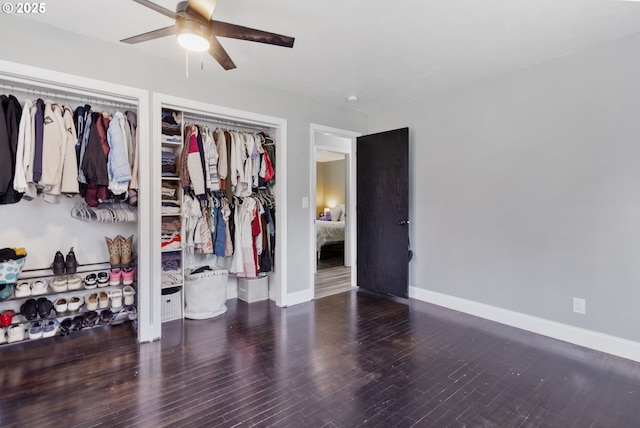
[204, 8]
[157, 8]
[217, 51]
[155, 34]
[233, 31]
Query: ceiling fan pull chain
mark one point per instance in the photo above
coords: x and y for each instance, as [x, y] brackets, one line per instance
[201, 61]
[186, 68]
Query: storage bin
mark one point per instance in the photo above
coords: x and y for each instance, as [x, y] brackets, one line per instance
[205, 294]
[253, 289]
[171, 304]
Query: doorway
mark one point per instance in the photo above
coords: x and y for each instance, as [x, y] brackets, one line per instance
[333, 216]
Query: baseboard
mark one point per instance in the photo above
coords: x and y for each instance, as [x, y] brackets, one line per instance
[299, 297]
[579, 336]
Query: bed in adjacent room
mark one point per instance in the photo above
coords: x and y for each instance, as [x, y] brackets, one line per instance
[330, 230]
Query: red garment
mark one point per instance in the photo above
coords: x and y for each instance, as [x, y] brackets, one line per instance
[269, 173]
[255, 231]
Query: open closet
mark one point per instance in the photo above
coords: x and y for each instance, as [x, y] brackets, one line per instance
[219, 186]
[63, 214]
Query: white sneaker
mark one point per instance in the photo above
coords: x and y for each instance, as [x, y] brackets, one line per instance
[74, 282]
[60, 305]
[38, 287]
[75, 303]
[59, 284]
[15, 333]
[23, 289]
[3, 336]
[128, 292]
[116, 299]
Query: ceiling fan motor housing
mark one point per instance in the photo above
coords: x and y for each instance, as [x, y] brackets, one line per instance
[191, 26]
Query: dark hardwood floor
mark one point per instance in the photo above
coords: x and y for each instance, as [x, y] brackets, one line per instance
[351, 359]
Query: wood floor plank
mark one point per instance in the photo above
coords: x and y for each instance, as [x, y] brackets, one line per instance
[351, 359]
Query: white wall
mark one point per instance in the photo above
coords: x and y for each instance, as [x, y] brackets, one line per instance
[525, 189]
[48, 47]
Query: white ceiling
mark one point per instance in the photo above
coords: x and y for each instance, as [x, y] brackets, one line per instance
[386, 52]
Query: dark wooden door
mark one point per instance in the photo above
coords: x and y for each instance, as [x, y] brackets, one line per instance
[383, 212]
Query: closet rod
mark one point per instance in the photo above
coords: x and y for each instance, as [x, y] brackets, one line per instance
[107, 102]
[220, 122]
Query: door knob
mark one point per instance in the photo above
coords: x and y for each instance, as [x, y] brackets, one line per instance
[403, 222]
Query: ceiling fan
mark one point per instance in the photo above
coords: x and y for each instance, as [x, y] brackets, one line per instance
[198, 32]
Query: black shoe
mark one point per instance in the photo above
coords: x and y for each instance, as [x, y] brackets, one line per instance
[58, 264]
[29, 310]
[77, 323]
[90, 319]
[65, 326]
[44, 307]
[105, 317]
[71, 264]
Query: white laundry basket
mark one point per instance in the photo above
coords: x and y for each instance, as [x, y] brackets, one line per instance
[205, 294]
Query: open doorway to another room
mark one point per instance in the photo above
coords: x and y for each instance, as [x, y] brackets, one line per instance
[331, 191]
[334, 220]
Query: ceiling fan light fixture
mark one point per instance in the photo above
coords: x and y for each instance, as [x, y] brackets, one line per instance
[193, 42]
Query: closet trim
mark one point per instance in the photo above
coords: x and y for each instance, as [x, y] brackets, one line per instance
[226, 116]
[24, 76]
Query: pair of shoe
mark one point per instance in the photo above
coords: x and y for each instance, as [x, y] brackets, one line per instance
[72, 304]
[69, 325]
[69, 283]
[93, 280]
[32, 308]
[119, 251]
[121, 276]
[97, 300]
[62, 265]
[128, 313]
[44, 328]
[30, 288]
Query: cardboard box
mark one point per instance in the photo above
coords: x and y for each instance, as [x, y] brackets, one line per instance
[253, 289]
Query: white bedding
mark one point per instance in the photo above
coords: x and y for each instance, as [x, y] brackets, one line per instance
[328, 232]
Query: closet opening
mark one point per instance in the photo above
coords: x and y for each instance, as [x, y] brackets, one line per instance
[333, 222]
[227, 190]
[61, 206]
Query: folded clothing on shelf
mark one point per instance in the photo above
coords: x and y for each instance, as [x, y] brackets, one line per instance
[171, 262]
[169, 191]
[170, 225]
[170, 241]
[169, 279]
[170, 208]
[168, 162]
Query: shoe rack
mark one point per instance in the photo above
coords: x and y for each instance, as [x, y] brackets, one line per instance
[172, 234]
[74, 299]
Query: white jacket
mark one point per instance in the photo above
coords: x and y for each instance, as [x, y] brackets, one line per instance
[69, 183]
[24, 149]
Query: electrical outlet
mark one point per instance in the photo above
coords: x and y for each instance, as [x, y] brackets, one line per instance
[579, 306]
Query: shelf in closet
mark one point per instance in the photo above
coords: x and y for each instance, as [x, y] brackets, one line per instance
[170, 250]
[172, 143]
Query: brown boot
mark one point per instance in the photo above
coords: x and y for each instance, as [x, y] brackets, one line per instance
[125, 250]
[114, 251]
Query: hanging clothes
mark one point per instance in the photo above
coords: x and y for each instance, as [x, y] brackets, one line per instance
[10, 117]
